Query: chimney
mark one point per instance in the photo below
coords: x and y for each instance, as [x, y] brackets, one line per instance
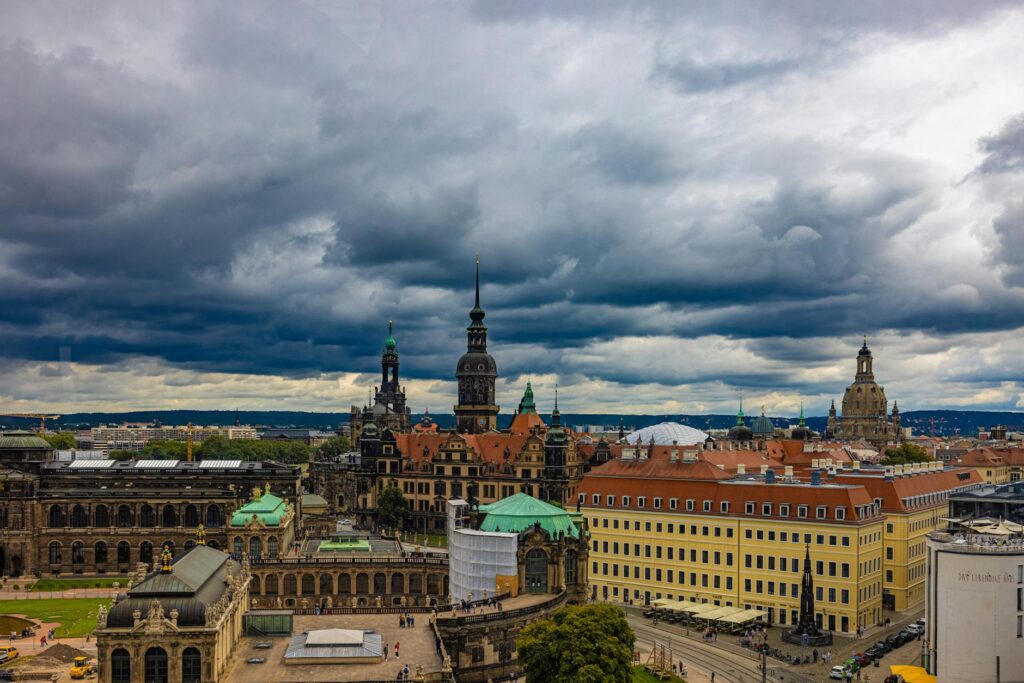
[689, 456]
[898, 470]
[816, 478]
[814, 463]
[855, 465]
[741, 468]
[764, 469]
[788, 472]
[675, 452]
[888, 471]
[769, 476]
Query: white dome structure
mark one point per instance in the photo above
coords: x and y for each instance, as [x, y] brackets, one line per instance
[665, 433]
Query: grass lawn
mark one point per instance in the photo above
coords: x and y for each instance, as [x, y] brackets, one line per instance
[77, 616]
[641, 675]
[78, 582]
[435, 540]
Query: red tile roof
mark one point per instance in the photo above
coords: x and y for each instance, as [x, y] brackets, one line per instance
[905, 494]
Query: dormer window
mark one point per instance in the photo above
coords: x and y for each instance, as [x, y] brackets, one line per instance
[626, 500]
[596, 499]
[657, 503]
[610, 501]
[766, 509]
[690, 503]
[641, 501]
[673, 503]
[821, 512]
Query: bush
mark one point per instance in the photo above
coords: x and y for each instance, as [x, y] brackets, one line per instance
[17, 587]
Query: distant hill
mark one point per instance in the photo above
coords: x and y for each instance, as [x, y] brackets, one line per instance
[945, 422]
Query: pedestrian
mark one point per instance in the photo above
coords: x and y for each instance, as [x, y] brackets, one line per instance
[396, 649]
[712, 677]
[405, 671]
[385, 652]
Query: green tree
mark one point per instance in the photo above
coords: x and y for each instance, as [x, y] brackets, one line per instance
[578, 644]
[61, 440]
[905, 453]
[121, 455]
[336, 445]
[392, 508]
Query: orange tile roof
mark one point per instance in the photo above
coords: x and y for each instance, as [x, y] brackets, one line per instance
[981, 457]
[899, 493]
[655, 484]
[524, 423]
[662, 469]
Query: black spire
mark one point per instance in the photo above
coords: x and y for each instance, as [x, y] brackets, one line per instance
[556, 417]
[477, 331]
[807, 594]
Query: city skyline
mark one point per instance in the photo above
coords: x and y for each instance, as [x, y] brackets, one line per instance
[219, 207]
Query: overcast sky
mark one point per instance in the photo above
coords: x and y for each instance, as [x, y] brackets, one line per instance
[220, 205]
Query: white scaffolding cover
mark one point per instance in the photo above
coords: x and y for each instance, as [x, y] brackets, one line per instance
[477, 558]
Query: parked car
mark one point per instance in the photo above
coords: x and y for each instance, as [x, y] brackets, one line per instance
[255, 660]
[863, 659]
[883, 646]
[916, 628]
[893, 641]
[650, 613]
[874, 652]
[838, 673]
[906, 636]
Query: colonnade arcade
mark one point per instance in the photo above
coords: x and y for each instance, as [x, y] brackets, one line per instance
[358, 587]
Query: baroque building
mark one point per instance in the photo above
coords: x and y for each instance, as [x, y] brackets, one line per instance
[389, 410]
[105, 516]
[865, 413]
[179, 624]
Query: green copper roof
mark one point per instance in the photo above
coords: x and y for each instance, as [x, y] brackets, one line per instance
[803, 421]
[390, 343]
[268, 509]
[520, 512]
[527, 405]
[22, 440]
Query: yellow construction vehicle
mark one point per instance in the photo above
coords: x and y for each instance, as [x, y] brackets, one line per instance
[82, 667]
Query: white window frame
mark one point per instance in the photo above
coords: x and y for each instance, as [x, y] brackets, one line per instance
[673, 503]
[766, 509]
[783, 509]
[801, 511]
[690, 502]
[641, 501]
[707, 506]
[724, 507]
[748, 507]
[821, 512]
[657, 503]
[626, 500]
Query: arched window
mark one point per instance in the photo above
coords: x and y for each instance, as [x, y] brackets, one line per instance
[416, 584]
[326, 584]
[380, 583]
[147, 517]
[124, 516]
[255, 547]
[397, 583]
[146, 552]
[78, 552]
[272, 547]
[239, 546]
[124, 552]
[308, 584]
[570, 567]
[213, 544]
[344, 584]
[191, 516]
[189, 544]
[101, 552]
[156, 665]
[362, 583]
[56, 516]
[120, 666]
[289, 585]
[78, 517]
[102, 516]
[433, 584]
[191, 666]
[270, 584]
[55, 553]
[214, 516]
[170, 516]
[254, 585]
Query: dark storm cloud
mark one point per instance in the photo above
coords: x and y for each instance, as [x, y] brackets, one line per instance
[1009, 228]
[1004, 151]
[258, 188]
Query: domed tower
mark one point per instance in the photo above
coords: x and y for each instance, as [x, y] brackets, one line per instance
[740, 431]
[763, 427]
[831, 427]
[476, 373]
[556, 446]
[391, 395]
[865, 409]
[802, 431]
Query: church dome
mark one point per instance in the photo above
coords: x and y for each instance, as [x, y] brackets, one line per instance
[763, 426]
[741, 432]
[665, 433]
[476, 363]
[21, 440]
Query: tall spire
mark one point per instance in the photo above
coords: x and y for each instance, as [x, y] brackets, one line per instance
[478, 284]
[389, 343]
[803, 422]
[739, 416]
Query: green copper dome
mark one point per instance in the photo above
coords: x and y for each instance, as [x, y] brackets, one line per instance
[389, 344]
[21, 440]
[268, 509]
[520, 512]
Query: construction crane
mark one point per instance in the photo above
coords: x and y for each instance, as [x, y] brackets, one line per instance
[42, 418]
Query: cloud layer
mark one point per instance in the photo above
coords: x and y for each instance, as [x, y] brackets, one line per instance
[672, 206]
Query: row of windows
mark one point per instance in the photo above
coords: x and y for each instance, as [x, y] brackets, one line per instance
[819, 539]
[716, 531]
[125, 516]
[669, 552]
[690, 505]
[656, 574]
[101, 551]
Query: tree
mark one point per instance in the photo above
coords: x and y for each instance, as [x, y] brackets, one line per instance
[578, 644]
[392, 508]
[906, 452]
[336, 445]
[61, 440]
[121, 455]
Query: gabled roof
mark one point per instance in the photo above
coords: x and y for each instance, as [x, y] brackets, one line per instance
[982, 457]
[523, 423]
[268, 509]
[660, 469]
[520, 512]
